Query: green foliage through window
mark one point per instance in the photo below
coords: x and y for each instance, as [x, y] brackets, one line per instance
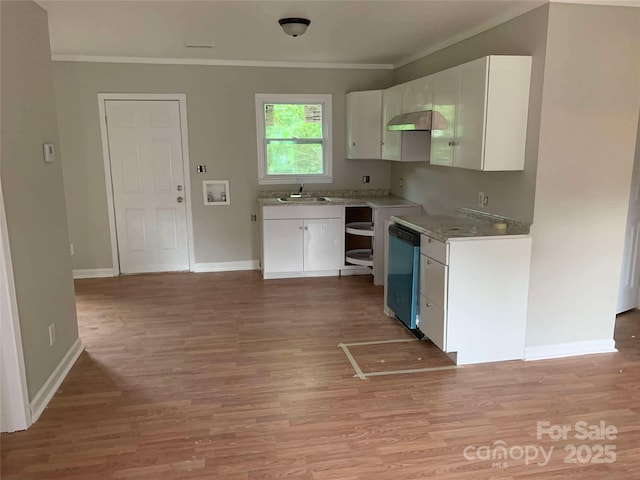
[294, 138]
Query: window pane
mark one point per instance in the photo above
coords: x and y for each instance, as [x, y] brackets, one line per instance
[290, 158]
[285, 120]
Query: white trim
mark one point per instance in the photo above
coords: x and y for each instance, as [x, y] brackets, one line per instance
[524, 8]
[215, 62]
[50, 387]
[181, 98]
[319, 273]
[16, 414]
[607, 3]
[561, 350]
[327, 142]
[349, 270]
[226, 266]
[94, 273]
[295, 180]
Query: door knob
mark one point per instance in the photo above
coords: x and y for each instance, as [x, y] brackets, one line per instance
[180, 199]
[179, 188]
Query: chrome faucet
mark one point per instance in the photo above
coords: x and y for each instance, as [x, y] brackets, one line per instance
[299, 194]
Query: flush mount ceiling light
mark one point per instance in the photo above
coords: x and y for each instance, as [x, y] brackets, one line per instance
[294, 26]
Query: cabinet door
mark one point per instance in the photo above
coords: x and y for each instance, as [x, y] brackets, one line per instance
[417, 95]
[364, 124]
[323, 244]
[391, 106]
[470, 115]
[433, 280]
[446, 87]
[282, 243]
[433, 322]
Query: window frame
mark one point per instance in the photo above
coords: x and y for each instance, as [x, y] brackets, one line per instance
[327, 145]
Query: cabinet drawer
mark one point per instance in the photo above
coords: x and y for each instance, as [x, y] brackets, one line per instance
[302, 211]
[433, 280]
[434, 249]
[433, 322]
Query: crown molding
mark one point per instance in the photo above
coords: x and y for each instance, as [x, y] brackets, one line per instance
[216, 62]
[602, 3]
[469, 33]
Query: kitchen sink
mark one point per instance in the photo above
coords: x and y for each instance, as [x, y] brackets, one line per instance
[304, 199]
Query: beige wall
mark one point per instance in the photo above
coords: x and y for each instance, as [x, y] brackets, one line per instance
[33, 192]
[222, 136]
[443, 189]
[587, 139]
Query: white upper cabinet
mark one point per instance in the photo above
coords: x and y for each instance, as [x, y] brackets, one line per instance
[391, 106]
[446, 88]
[486, 104]
[364, 118]
[417, 95]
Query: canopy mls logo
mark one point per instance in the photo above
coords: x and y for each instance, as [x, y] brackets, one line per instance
[500, 453]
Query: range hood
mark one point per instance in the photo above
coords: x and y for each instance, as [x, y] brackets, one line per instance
[416, 121]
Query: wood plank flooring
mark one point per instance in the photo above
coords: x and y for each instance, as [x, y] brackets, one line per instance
[226, 376]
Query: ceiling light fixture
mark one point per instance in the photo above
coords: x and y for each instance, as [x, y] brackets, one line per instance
[294, 26]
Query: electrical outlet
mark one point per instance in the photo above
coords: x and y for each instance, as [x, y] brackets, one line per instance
[71, 249]
[52, 334]
[481, 199]
[401, 183]
[486, 200]
[365, 179]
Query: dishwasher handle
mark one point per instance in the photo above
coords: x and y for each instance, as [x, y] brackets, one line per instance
[404, 234]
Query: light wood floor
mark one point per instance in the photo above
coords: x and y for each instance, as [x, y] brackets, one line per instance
[224, 376]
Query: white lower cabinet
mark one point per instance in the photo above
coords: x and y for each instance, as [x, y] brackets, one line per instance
[473, 296]
[302, 241]
[284, 245]
[433, 322]
[322, 241]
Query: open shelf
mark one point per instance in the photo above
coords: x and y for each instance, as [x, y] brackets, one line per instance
[360, 256]
[364, 229]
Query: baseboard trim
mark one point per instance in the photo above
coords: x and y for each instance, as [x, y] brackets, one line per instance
[94, 273]
[318, 273]
[355, 270]
[226, 266]
[561, 350]
[50, 387]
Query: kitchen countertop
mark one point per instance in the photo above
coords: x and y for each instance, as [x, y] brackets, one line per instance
[373, 202]
[468, 223]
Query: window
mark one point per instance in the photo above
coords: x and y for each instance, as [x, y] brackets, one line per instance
[294, 138]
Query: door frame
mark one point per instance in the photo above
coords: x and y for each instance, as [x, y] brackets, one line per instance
[181, 98]
[16, 411]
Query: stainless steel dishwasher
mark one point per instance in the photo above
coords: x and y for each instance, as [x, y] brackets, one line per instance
[402, 274]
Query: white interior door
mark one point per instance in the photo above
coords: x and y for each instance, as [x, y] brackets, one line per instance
[15, 413]
[145, 152]
[630, 276]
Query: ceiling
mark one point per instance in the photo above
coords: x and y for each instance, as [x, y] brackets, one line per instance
[379, 32]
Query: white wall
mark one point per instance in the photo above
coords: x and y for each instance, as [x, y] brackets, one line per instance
[33, 192]
[444, 189]
[222, 136]
[587, 138]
